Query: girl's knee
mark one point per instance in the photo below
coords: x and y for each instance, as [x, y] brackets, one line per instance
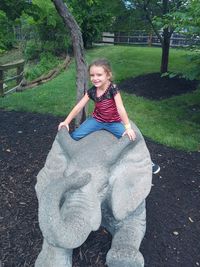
[73, 137]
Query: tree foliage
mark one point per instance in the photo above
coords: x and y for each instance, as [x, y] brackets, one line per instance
[189, 18]
[9, 12]
[48, 33]
[160, 16]
[190, 22]
[6, 35]
[93, 17]
[12, 9]
[128, 18]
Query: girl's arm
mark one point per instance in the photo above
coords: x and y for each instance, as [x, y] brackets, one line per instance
[124, 117]
[79, 106]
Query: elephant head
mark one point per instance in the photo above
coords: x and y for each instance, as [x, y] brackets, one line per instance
[79, 176]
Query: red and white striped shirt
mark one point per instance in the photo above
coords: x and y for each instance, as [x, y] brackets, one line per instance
[105, 109]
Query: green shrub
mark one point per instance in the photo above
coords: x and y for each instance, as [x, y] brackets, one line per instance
[49, 46]
[2, 51]
[46, 62]
[32, 50]
[194, 72]
[57, 46]
[63, 44]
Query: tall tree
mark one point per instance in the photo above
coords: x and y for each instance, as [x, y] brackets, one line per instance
[128, 19]
[9, 12]
[159, 15]
[93, 17]
[12, 9]
[77, 41]
[190, 21]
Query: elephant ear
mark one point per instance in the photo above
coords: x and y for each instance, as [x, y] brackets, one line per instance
[131, 178]
[56, 163]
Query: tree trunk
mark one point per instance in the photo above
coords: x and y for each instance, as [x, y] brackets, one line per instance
[166, 41]
[165, 51]
[78, 48]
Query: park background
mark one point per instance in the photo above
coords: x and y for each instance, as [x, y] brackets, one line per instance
[160, 89]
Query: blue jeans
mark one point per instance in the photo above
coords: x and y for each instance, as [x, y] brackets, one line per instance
[92, 125]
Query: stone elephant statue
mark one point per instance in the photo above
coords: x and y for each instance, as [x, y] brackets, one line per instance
[98, 180]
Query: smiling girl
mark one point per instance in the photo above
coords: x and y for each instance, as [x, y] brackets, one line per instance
[109, 113]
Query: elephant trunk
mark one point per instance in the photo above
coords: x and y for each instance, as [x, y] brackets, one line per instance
[62, 226]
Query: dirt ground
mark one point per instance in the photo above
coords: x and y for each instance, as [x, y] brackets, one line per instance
[173, 210]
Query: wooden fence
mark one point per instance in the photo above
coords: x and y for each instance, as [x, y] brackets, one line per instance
[19, 66]
[143, 38]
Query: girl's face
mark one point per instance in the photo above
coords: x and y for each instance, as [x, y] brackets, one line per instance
[99, 77]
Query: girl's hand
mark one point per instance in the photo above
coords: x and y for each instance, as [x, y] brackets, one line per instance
[131, 134]
[63, 124]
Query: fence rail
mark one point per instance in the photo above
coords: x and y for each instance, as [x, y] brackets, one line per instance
[177, 40]
[19, 66]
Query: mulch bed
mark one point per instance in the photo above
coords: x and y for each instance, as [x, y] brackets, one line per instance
[173, 214]
[155, 87]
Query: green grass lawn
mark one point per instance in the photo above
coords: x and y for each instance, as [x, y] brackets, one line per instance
[173, 122]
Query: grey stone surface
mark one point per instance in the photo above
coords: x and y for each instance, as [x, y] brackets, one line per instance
[98, 180]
